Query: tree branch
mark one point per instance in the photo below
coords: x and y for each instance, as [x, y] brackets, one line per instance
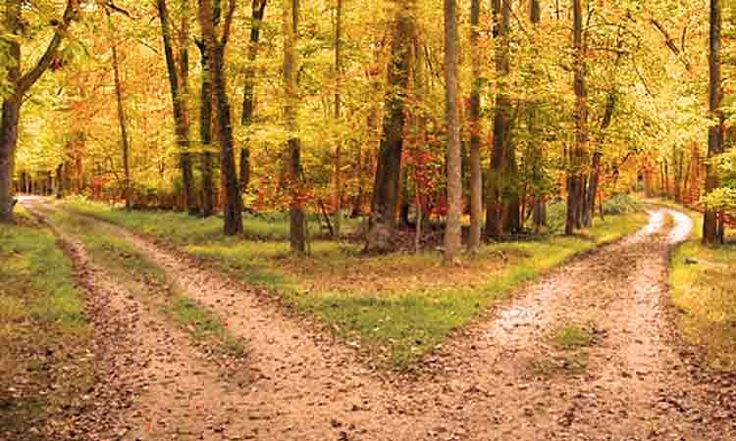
[29, 79]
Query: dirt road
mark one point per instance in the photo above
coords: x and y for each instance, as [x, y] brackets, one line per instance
[508, 377]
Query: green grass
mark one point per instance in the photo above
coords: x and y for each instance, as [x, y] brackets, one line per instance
[573, 337]
[398, 307]
[148, 281]
[43, 330]
[165, 223]
[702, 281]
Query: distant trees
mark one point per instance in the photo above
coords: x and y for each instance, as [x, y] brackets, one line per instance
[369, 94]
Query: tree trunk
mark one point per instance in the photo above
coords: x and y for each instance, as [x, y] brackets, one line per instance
[8, 144]
[476, 174]
[386, 187]
[575, 189]
[453, 232]
[498, 174]
[338, 116]
[258, 11]
[205, 134]
[215, 47]
[711, 232]
[179, 85]
[297, 218]
[124, 140]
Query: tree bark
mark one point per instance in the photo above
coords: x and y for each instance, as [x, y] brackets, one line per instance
[386, 187]
[338, 116]
[258, 11]
[122, 123]
[215, 47]
[205, 135]
[539, 209]
[297, 217]
[453, 233]
[575, 188]
[499, 203]
[179, 85]
[476, 175]
[712, 234]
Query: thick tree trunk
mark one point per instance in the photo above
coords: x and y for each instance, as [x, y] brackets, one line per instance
[453, 231]
[386, 187]
[499, 174]
[297, 217]
[539, 208]
[711, 232]
[215, 47]
[8, 144]
[258, 11]
[476, 174]
[575, 187]
[179, 85]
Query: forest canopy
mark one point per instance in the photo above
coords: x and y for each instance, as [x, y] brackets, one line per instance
[342, 107]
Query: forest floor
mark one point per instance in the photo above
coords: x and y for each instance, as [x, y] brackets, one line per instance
[586, 352]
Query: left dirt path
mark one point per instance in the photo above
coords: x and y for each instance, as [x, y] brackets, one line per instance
[154, 383]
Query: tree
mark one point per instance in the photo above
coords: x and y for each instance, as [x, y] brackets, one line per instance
[575, 186]
[178, 74]
[297, 217]
[338, 115]
[19, 84]
[476, 175]
[712, 230]
[386, 187]
[122, 123]
[214, 46]
[503, 207]
[258, 11]
[452, 115]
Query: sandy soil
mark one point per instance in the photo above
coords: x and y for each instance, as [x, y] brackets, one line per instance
[502, 378]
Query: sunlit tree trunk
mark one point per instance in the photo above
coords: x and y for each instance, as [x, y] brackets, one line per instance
[454, 161]
[338, 116]
[258, 11]
[386, 188]
[205, 135]
[476, 175]
[122, 123]
[297, 217]
[711, 231]
[179, 85]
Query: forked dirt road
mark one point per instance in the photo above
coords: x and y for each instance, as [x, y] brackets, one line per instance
[501, 379]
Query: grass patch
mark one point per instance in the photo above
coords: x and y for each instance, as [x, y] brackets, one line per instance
[573, 337]
[398, 306]
[148, 281]
[165, 223]
[703, 294]
[44, 335]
